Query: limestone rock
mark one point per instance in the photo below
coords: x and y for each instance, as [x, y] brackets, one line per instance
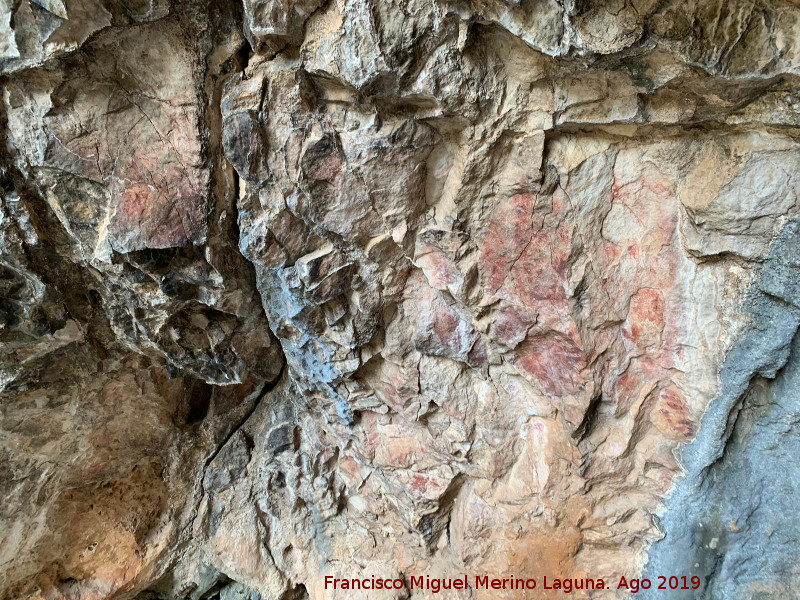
[396, 288]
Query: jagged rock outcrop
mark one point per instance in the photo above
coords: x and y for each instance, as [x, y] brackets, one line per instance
[397, 288]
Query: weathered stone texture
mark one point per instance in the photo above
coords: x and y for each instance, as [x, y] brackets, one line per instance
[396, 287]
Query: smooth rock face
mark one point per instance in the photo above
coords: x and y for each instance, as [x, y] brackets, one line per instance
[397, 288]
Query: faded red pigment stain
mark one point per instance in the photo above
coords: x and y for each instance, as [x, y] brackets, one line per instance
[508, 232]
[539, 275]
[322, 161]
[350, 471]
[645, 318]
[444, 326]
[419, 483]
[153, 173]
[525, 261]
[440, 329]
[162, 207]
[519, 254]
[655, 322]
[637, 380]
[146, 218]
[426, 486]
[524, 253]
[511, 325]
[328, 169]
[423, 486]
[438, 268]
[554, 360]
[642, 376]
[669, 413]
[445, 272]
[136, 203]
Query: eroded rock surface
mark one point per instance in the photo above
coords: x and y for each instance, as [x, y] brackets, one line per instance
[395, 288]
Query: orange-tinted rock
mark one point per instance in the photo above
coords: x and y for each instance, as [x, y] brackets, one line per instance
[366, 288]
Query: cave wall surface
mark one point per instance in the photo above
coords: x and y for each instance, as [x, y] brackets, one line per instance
[295, 289]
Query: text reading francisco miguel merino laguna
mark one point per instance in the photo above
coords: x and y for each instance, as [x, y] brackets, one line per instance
[511, 582]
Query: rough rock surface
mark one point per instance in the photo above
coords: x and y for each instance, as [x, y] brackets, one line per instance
[397, 288]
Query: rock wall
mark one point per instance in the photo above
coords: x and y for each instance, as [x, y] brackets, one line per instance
[398, 288]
